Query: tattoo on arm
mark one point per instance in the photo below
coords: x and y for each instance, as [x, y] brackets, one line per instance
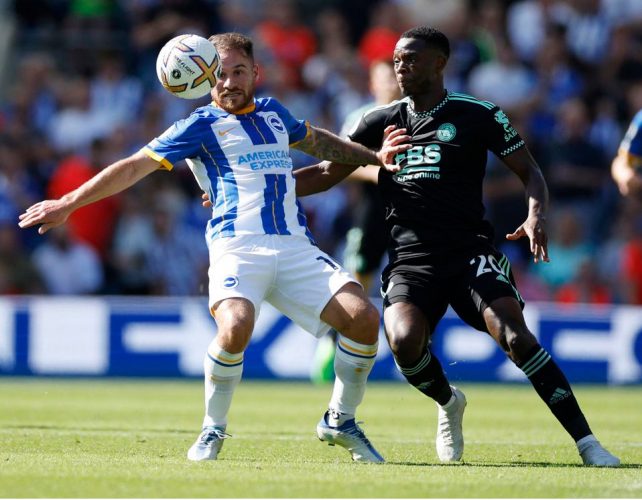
[327, 146]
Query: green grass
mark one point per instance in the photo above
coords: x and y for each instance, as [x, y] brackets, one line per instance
[97, 438]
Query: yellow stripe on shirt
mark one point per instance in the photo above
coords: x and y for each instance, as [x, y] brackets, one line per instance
[154, 156]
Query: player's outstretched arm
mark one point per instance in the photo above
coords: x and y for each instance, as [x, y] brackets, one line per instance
[534, 227]
[115, 178]
[324, 175]
[328, 146]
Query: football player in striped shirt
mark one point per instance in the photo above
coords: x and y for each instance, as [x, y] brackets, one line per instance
[260, 248]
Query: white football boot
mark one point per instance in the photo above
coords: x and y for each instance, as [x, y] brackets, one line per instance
[208, 444]
[593, 453]
[350, 436]
[450, 437]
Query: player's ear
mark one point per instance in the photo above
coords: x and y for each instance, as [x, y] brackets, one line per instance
[255, 70]
[441, 63]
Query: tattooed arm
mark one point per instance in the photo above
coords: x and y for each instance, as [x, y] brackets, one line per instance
[327, 146]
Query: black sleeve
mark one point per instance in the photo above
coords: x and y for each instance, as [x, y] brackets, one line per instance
[502, 138]
[368, 130]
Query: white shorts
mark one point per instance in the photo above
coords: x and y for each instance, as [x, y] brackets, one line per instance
[287, 271]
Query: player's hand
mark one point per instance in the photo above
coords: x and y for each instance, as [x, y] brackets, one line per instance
[207, 203]
[47, 213]
[535, 228]
[395, 141]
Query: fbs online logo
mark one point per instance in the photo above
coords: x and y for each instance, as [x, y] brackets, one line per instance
[230, 282]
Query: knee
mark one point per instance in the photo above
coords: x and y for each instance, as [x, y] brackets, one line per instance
[512, 335]
[406, 342]
[234, 329]
[363, 324]
[519, 344]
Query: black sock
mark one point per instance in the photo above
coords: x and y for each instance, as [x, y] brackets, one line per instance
[552, 386]
[428, 377]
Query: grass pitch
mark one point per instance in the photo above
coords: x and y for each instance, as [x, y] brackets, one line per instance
[117, 438]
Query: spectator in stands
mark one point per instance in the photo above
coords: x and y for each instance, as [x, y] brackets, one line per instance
[588, 30]
[174, 264]
[576, 169]
[631, 277]
[68, 267]
[18, 188]
[586, 288]
[569, 246]
[17, 273]
[73, 171]
[505, 81]
[528, 24]
[76, 124]
[558, 80]
[380, 38]
[466, 52]
[130, 244]
[290, 42]
[155, 23]
[116, 96]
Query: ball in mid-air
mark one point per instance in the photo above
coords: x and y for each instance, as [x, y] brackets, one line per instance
[188, 66]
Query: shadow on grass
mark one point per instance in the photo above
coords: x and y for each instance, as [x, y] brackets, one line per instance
[95, 429]
[136, 430]
[512, 464]
[412, 464]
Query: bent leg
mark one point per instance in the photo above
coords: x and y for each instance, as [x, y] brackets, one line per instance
[224, 358]
[407, 331]
[223, 367]
[351, 314]
[506, 325]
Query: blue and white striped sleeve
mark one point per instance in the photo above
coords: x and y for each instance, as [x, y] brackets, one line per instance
[182, 140]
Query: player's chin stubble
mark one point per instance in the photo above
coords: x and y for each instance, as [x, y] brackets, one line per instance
[232, 104]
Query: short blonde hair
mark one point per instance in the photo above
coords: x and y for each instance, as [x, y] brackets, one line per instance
[237, 41]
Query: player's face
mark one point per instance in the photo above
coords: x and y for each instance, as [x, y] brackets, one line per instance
[417, 67]
[235, 88]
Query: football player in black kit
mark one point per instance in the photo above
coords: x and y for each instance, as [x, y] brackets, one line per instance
[440, 250]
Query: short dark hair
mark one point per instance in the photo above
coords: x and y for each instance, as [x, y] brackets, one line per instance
[431, 36]
[238, 41]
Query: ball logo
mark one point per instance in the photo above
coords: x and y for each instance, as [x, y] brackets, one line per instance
[176, 74]
[275, 124]
[230, 282]
[446, 132]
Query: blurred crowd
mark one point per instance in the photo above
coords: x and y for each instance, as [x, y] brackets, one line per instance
[79, 90]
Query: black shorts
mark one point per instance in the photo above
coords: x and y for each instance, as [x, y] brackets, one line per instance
[366, 242]
[468, 279]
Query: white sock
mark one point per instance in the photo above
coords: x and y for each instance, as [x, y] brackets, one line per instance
[222, 374]
[352, 365]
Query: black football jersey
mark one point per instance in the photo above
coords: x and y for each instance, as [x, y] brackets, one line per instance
[434, 202]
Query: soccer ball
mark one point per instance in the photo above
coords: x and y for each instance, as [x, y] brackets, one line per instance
[188, 66]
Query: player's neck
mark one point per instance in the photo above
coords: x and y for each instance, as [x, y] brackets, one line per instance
[427, 101]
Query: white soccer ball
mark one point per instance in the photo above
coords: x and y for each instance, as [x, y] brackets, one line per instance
[188, 66]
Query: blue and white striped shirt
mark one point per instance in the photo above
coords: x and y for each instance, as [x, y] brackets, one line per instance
[243, 162]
